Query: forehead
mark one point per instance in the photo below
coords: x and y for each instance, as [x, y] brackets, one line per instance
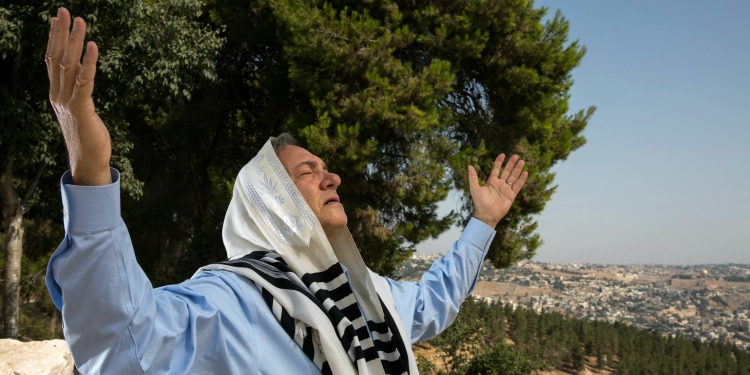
[294, 156]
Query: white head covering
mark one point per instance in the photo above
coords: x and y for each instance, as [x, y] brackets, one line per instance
[268, 214]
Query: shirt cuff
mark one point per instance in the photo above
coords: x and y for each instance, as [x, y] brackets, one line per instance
[479, 234]
[90, 208]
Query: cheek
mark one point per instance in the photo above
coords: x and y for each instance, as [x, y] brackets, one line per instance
[309, 198]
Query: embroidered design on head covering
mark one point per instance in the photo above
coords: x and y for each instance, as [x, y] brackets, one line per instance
[268, 189]
[277, 199]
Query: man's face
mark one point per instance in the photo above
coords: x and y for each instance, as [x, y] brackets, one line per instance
[317, 185]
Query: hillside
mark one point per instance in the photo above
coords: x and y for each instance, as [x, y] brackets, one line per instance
[553, 319]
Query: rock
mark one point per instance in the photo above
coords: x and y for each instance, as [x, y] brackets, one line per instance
[50, 357]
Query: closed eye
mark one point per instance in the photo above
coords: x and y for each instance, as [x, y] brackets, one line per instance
[308, 167]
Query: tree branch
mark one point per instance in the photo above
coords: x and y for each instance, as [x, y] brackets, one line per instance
[32, 185]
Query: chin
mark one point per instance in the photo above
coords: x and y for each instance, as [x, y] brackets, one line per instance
[334, 226]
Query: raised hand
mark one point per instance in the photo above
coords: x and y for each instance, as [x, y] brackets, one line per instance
[71, 86]
[493, 200]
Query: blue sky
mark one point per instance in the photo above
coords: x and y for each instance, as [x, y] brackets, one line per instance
[665, 175]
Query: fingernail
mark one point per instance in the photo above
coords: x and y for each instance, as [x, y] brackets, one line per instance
[59, 12]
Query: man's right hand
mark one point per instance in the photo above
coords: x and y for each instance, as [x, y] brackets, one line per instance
[71, 85]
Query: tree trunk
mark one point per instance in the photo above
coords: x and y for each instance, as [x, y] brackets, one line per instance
[53, 323]
[12, 273]
[13, 221]
[14, 207]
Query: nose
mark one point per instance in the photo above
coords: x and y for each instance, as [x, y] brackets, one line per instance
[330, 181]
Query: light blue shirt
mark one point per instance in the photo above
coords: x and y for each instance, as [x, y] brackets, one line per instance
[115, 322]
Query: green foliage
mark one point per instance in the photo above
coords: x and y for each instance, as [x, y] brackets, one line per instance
[398, 97]
[510, 95]
[39, 319]
[200, 144]
[501, 360]
[401, 96]
[474, 344]
[379, 91]
[374, 117]
[461, 340]
[425, 366]
[551, 340]
[151, 55]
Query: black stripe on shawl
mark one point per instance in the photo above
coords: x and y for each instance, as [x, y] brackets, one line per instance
[362, 331]
[385, 346]
[341, 292]
[282, 282]
[352, 311]
[381, 327]
[326, 370]
[335, 314]
[401, 365]
[266, 296]
[371, 353]
[307, 343]
[259, 255]
[325, 276]
[286, 320]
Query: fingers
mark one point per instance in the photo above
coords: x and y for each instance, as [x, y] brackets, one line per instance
[508, 168]
[513, 170]
[473, 178]
[518, 184]
[513, 174]
[48, 53]
[59, 32]
[497, 165]
[71, 81]
[84, 84]
[71, 60]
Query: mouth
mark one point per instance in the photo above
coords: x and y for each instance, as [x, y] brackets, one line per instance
[332, 200]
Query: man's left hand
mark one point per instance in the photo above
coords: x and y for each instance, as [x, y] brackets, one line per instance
[493, 200]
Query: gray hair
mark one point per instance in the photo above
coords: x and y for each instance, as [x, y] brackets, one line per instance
[281, 141]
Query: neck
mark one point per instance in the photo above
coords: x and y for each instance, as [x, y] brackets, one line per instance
[331, 233]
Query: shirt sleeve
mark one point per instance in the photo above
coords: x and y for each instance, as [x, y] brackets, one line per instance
[93, 278]
[113, 319]
[430, 305]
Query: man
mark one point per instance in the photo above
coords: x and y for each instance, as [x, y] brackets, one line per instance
[294, 297]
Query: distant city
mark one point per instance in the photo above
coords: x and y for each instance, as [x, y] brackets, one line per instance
[704, 302]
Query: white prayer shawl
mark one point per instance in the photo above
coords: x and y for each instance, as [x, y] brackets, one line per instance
[273, 238]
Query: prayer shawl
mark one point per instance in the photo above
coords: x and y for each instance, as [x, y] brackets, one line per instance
[273, 238]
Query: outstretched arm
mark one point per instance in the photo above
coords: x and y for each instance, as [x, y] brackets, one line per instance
[493, 200]
[430, 305]
[113, 319]
[71, 86]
